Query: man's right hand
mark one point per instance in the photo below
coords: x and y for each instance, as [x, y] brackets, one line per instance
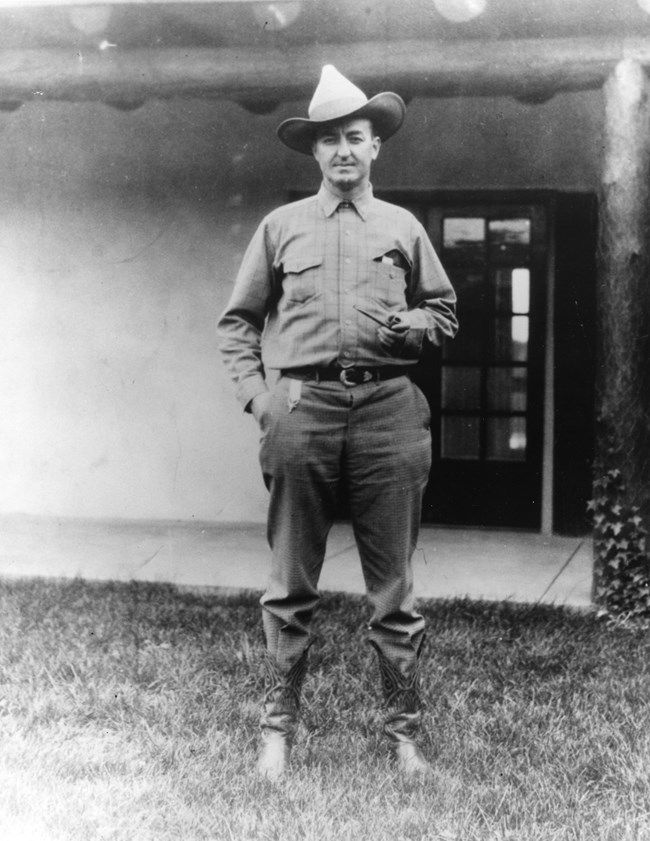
[260, 406]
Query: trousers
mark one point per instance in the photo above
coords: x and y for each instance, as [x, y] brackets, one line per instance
[374, 441]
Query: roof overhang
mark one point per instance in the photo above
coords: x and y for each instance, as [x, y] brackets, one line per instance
[261, 54]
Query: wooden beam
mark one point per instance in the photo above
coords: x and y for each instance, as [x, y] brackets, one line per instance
[21, 4]
[623, 387]
[528, 69]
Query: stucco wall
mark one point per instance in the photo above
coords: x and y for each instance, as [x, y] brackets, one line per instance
[121, 235]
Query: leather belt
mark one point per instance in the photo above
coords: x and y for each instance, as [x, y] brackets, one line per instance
[348, 376]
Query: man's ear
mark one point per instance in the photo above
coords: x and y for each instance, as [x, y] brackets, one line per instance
[376, 146]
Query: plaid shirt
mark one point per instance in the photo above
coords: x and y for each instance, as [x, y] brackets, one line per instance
[308, 265]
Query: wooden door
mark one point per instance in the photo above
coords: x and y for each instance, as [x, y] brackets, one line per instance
[486, 387]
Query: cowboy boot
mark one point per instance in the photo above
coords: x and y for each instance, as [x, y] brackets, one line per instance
[280, 717]
[403, 717]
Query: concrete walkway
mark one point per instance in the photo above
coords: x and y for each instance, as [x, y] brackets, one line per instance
[448, 563]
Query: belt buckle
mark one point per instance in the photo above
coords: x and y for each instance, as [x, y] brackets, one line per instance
[363, 376]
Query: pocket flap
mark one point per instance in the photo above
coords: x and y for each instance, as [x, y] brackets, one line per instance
[297, 265]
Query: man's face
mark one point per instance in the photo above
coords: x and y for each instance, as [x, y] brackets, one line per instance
[345, 152]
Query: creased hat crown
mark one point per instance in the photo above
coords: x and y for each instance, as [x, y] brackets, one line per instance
[335, 96]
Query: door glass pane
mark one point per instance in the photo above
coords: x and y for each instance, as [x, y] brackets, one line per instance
[511, 339]
[510, 237]
[461, 388]
[512, 289]
[506, 388]
[520, 290]
[460, 438]
[466, 345]
[506, 439]
[463, 236]
[469, 286]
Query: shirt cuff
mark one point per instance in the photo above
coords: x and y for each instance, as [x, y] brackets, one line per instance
[412, 346]
[250, 388]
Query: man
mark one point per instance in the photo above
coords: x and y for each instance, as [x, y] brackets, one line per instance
[316, 275]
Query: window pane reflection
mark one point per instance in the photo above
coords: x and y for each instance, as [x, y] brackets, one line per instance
[512, 289]
[461, 388]
[511, 339]
[460, 438]
[506, 439]
[464, 235]
[507, 389]
[510, 237]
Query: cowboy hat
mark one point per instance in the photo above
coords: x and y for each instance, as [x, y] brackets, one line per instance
[335, 99]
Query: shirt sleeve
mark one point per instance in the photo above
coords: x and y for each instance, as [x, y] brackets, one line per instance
[241, 325]
[431, 297]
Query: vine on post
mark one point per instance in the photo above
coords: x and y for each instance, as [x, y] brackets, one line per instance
[622, 568]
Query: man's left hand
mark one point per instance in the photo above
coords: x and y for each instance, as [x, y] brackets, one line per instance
[392, 338]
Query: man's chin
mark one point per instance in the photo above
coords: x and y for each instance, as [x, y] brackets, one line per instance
[345, 182]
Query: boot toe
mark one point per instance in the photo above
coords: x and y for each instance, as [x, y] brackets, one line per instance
[274, 759]
[411, 763]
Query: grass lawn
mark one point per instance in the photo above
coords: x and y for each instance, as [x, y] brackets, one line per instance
[129, 711]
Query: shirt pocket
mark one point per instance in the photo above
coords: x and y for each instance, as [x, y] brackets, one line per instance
[388, 279]
[301, 280]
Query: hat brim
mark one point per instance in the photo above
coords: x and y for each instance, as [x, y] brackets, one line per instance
[386, 111]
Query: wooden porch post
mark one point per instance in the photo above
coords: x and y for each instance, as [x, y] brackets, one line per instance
[623, 377]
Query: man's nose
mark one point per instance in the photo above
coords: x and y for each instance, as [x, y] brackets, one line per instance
[343, 148]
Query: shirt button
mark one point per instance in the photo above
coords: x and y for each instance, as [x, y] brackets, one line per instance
[348, 322]
[346, 353]
[347, 260]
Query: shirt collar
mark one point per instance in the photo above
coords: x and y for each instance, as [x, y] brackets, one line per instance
[328, 202]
